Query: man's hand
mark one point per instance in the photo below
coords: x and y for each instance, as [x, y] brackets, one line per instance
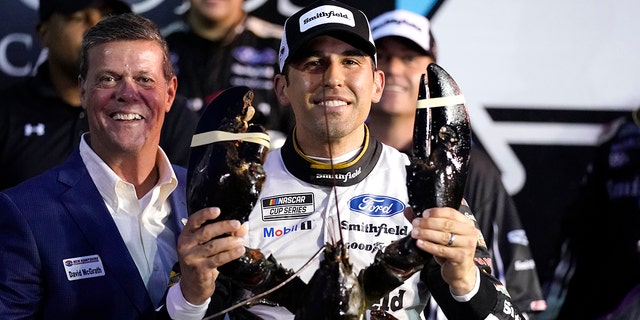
[452, 238]
[200, 254]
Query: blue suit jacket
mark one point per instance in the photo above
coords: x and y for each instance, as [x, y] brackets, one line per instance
[60, 215]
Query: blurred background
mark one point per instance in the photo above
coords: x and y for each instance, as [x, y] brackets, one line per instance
[541, 79]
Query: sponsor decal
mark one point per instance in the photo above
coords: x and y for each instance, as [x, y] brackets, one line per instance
[483, 261]
[287, 206]
[522, 265]
[391, 302]
[368, 247]
[344, 177]
[265, 72]
[508, 309]
[30, 129]
[623, 189]
[376, 205]
[326, 14]
[279, 232]
[518, 236]
[253, 56]
[83, 267]
[375, 229]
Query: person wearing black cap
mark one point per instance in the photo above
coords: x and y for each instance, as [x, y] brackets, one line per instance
[406, 47]
[40, 117]
[217, 45]
[331, 181]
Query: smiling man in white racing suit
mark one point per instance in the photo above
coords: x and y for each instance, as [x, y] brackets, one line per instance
[328, 76]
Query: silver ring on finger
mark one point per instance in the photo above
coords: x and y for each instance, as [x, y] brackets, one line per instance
[452, 238]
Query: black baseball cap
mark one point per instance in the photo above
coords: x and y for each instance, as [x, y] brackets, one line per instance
[326, 17]
[48, 7]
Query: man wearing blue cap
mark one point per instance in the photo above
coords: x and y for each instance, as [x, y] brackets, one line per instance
[331, 182]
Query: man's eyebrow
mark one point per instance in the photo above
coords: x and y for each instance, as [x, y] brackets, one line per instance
[354, 53]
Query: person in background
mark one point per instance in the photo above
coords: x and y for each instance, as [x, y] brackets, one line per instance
[218, 45]
[406, 47]
[96, 237]
[41, 120]
[603, 221]
[328, 76]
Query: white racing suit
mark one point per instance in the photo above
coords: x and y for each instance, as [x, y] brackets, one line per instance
[298, 213]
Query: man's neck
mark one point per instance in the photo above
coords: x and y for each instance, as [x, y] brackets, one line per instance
[65, 85]
[138, 168]
[321, 147]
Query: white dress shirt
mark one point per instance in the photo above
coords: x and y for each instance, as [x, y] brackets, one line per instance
[142, 222]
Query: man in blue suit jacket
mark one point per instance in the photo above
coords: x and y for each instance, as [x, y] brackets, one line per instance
[61, 216]
[96, 237]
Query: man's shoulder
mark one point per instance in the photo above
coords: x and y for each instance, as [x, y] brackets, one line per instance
[176, 31]
[392, 154]
[36, 189]
[263, 29]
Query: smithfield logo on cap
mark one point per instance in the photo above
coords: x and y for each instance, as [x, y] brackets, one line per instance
[326, 14]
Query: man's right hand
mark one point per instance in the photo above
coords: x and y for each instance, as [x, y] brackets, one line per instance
[200, 254]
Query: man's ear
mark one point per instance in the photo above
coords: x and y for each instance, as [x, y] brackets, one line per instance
[42, 30]
[172, 89]
[279, 85]
[378, 86]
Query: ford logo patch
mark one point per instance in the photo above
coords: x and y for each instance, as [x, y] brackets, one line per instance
[376, 206]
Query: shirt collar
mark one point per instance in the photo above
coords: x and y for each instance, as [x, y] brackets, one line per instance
[106, 180]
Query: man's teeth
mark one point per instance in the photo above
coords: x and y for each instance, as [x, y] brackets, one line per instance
[126, 116]
[332, 103]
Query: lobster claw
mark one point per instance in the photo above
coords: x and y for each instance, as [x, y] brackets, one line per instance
[437, 174]
[227, 153]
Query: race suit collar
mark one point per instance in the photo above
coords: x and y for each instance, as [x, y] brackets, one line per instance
[319, 173]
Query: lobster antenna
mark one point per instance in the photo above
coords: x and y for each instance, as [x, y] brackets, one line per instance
[248, 301]
[331, 164]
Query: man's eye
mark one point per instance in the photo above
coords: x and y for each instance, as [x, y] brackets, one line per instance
[351, 61]
[409, 59]
[312, 63]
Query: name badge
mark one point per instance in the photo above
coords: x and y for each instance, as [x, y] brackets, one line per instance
[83, 267]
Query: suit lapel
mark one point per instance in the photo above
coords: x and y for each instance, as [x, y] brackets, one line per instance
[179, 201]
[87, 208]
